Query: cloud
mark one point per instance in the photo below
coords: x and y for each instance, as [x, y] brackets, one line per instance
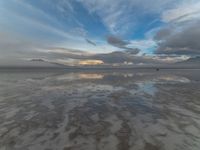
[36, 27]
[112, 13]
[144, 45]
[187, 11]
[162, 34]
[25, 25]
[33, 22]
[69, 56]
[181, 35]
[117, 42]
[91, 42]
[117, 57]
[11, 43]
[123, 58]
[15, 50]
[132, 51]
[123, 17]
[179, 40]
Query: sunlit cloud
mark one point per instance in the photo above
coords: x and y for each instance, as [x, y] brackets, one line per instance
[90, 62]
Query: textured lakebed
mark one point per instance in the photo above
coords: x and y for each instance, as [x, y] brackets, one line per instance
[100, 110]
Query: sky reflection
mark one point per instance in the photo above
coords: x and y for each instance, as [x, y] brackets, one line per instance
[100, 109]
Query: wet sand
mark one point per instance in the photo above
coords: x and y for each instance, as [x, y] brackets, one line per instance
[100, 110]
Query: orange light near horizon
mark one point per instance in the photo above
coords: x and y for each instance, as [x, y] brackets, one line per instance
[90, 76]
[91, 62]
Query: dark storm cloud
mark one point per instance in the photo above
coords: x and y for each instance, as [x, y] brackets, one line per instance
[180, 41]
[91, 42]
[119, 43]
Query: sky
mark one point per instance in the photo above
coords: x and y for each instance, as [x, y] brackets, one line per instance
[106, 31]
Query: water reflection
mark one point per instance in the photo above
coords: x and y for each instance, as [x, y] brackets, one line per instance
[78, 76]
[138, 110]
[147, 87]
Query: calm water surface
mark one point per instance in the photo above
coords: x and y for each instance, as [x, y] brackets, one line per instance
[100, 110]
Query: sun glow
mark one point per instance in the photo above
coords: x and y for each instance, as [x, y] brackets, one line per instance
[91, 62]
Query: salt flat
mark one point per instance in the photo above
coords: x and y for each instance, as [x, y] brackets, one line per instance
[102, 110]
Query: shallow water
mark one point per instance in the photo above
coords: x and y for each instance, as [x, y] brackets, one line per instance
[100, 110]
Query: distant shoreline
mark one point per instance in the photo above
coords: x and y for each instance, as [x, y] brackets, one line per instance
[95, 68]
